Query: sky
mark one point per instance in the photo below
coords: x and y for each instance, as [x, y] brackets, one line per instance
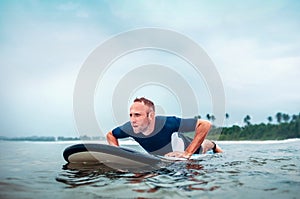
[254, 46]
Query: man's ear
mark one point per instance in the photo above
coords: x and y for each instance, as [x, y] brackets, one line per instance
[152, 115]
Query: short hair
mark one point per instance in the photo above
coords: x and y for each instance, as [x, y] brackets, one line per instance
[146, 101]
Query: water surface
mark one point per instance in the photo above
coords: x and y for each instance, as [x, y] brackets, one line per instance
[245, 170]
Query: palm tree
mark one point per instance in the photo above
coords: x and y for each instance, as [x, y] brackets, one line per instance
[286, 117]
[247, 120]
[294, 118]
[213, 118]
[270, 119]
[197, 117]
[279, 117]
[208, 116]
[227, 117]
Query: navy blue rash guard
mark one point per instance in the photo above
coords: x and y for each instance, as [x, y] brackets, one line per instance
[159, 141]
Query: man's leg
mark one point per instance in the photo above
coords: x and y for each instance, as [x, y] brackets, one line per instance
[181, 142]
[210, 145]
[177, 143]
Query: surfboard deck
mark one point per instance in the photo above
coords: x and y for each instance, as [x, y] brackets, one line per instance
[115, 157]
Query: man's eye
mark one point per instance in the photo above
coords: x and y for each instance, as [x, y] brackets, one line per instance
[135, 115]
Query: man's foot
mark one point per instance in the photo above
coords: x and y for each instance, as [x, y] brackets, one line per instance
[209, 145]
[218, 149]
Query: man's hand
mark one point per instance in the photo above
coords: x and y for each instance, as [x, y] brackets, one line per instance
[178, 154]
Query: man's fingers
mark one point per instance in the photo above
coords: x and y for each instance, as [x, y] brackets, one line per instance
[175, 154]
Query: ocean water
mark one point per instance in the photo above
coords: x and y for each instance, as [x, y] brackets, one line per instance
[269, 169]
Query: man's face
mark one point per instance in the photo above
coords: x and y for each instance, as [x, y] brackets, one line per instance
[139, 117]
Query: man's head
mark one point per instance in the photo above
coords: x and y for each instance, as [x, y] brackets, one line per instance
[142, 113]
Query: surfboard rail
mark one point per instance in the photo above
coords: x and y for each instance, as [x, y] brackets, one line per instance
[109, 155]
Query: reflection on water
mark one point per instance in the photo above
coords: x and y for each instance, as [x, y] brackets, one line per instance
[79, 174]
[184, 175]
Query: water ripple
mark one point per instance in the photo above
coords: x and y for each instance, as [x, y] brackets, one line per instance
[216, 176]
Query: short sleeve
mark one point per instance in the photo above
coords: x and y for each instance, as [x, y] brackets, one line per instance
[187, 125]
[120, 132]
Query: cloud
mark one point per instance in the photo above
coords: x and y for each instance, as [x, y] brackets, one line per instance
[40, 61]
[254, 46]
[259, 78]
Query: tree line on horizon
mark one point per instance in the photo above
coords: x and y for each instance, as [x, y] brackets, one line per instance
[280, 117]
[286, 127]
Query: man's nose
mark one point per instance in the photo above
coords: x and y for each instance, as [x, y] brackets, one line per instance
[132, 119]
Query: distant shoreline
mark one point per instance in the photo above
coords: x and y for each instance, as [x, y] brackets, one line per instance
[283, 130]
[51, 138]
[258, 141]
[132, 142]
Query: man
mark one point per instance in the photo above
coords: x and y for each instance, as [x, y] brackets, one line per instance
[162, 135]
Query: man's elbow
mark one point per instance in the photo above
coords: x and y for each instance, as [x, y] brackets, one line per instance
[205, 124]
[208, 124]
[110, 138]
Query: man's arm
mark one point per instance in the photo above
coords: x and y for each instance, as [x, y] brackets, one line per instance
[201, 131]
[111, 139]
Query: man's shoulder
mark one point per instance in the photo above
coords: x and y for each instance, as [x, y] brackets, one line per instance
[164, 119]
[172, 119]
[124, 127]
